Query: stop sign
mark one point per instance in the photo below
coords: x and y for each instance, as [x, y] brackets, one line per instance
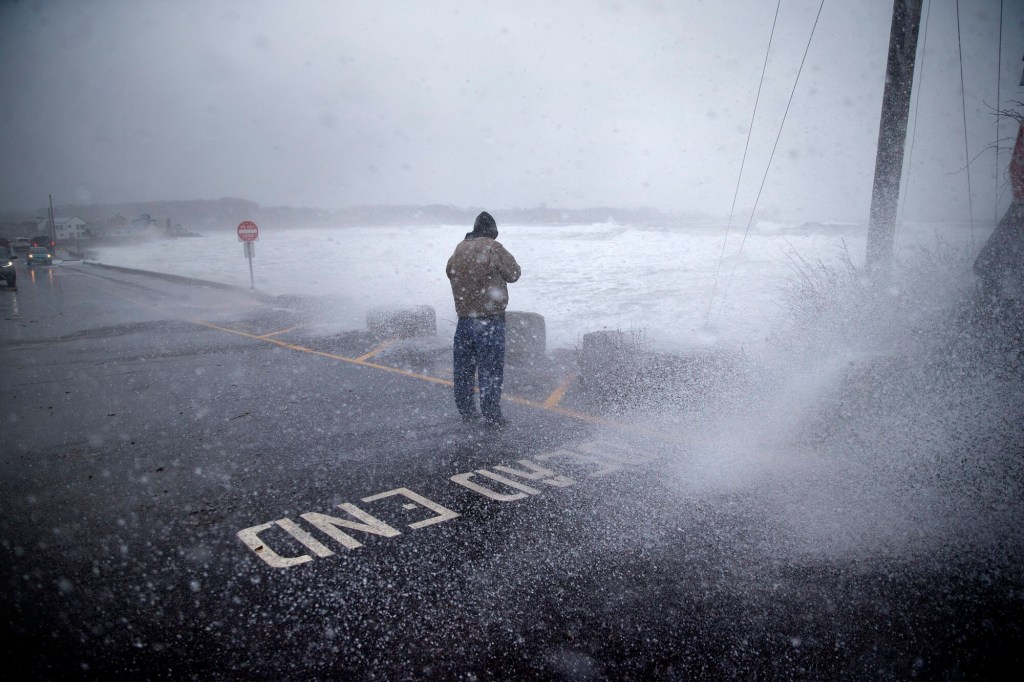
[247, 231]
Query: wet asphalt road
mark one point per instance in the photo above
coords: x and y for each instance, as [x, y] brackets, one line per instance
[199, 483]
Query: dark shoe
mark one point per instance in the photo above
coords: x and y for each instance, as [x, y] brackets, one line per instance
[499, 423]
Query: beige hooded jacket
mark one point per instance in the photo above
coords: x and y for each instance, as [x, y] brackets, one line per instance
[479, 271]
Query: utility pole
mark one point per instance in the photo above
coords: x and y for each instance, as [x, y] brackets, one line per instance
[892, 133]
[53, 229]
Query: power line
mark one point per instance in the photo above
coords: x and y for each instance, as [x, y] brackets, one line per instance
[999, 104]
[913, 134]
[743, 161]
[782, 125]
[963, 107]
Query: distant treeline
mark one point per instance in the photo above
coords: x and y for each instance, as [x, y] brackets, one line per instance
[226, 213]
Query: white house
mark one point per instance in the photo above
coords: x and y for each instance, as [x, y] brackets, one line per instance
[63, 228]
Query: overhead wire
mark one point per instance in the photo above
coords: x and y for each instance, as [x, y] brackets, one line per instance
[963, 107]
[999, 104]
[913, 132]
[778, 136]
[743, 161]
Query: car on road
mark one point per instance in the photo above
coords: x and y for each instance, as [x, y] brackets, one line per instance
[7, 272]
[38, 255]
[43, 240]
[21, 245]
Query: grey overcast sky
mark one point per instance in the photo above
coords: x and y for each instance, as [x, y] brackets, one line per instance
[501, 104]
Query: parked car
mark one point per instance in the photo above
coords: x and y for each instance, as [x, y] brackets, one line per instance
[7, 271]
[21, 245]
[38, 255]
[43, 240]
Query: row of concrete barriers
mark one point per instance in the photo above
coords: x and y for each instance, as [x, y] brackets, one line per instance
[526, 335]
[615, 366]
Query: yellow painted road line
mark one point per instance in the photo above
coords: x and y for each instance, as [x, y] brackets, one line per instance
[558, 393]
[550, 404]
[379, 348]
[267, 336]
[332, 356]
[581, 416]
[404, 372]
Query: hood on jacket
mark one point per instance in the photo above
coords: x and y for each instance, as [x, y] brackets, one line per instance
[484, 226]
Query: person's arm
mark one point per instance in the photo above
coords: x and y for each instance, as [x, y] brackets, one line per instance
[508, 268]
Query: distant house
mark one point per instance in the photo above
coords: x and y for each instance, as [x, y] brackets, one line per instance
[63, 228]
[143, 220]
[117, 227]
[145, 226]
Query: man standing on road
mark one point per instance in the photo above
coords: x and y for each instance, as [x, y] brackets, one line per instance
[480, 270]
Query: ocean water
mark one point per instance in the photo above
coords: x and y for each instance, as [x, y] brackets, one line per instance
[679, 287]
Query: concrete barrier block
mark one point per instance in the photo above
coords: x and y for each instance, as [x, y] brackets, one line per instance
[525, 335]
[402, 323]
[608, 359]
[618, 369]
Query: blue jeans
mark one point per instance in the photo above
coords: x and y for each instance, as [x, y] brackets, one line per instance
[479, 353]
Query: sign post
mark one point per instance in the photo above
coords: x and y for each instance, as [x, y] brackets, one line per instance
[247, 234]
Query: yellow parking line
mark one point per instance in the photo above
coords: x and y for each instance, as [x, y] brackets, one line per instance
[581, 416]
[333, 356]
[550, 404]
[267, 336]
[404, 372]
[379, 348]
[558, 393]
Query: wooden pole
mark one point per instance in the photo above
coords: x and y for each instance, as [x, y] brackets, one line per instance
[892, 132]
[53, 229]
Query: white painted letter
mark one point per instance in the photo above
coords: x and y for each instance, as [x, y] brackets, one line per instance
[305, 538]
[250, 536]
[443, 513]
[329, 525]
[463, 480]
[538, 473]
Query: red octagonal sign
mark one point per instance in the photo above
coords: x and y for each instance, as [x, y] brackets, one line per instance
[247, 231]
